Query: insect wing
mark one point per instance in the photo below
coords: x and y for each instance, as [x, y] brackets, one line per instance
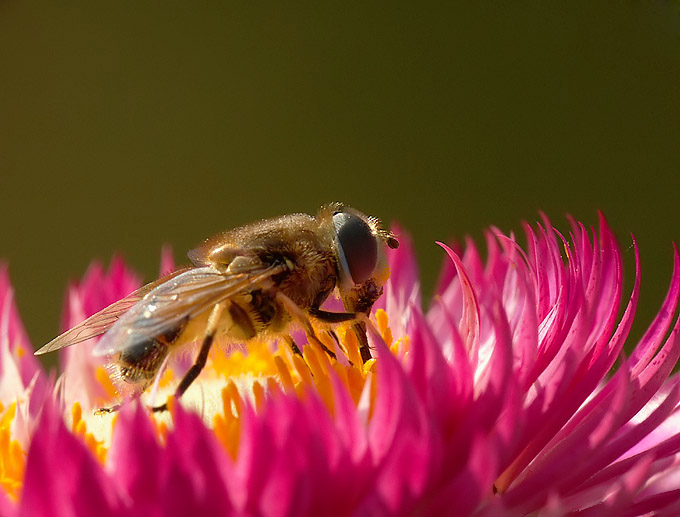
[169, 304]
[103, 320]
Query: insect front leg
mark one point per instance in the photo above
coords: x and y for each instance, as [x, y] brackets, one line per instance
[359, 330]
[360, 300]
[201, 359]
[299, 315]
[293, 345]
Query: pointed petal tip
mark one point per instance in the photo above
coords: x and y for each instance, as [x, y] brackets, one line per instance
[603, 223]
[445, 247]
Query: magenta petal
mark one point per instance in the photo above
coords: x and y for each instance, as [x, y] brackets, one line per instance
[499, 401]
[469, 326]
[135, 459]
[285, 490]
[434, 379]
[62, 477]
[194, 470]
[464, 490]
[666, 503]
[401, 441]
[7, 508]
[295, 459]
[97, 289]
[403, 287]
[623, 441]
[649, 343]
[13, 334]
[256, 450]
[627, 486]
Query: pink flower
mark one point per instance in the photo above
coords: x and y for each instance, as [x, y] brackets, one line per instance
[496, 401]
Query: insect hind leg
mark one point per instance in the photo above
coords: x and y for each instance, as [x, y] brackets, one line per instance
[192, 373]
[117, 407]
[135, 369]
[201, 359]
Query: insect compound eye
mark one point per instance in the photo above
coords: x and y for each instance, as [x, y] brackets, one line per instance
[357, 246]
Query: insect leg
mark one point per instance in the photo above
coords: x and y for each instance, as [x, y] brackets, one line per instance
[332, 317]
[328, 351]
[201, 359]
[360, 300]
[117, 407]
[106, 410]
[359, 329]
[293, 345]
[338, 343]
[300, 316]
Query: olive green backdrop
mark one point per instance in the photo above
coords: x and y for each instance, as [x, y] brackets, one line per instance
[126, 125]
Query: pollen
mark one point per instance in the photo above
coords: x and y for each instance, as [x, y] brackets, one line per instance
[349, 339]
[319, 365]
[167, 378]
[227, 426]
[258, 395]
[79, 427]
[12, 456]
[162, 430]
[258, 361]
[383, 320]
[104, 379]
[284, 375]
[163, 422]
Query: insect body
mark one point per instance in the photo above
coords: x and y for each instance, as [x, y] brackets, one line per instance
[256, 281]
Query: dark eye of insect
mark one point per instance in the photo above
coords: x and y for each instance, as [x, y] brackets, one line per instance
[357, 246]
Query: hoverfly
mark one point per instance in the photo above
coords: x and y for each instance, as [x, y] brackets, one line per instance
[256, 281]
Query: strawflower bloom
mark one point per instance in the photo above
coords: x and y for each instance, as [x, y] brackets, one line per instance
[498, 400]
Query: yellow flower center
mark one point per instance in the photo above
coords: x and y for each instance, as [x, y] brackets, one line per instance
[12, 456]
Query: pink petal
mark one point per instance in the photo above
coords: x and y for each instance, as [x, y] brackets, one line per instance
[135, 460]
[13, 337]
[401, 442]
[62, 477]
[96, 290]
[403, 287]
[194, 470]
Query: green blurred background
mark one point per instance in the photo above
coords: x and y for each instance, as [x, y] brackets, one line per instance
[126, 125]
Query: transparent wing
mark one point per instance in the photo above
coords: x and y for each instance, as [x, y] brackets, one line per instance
[186, 295]
[102, 321]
